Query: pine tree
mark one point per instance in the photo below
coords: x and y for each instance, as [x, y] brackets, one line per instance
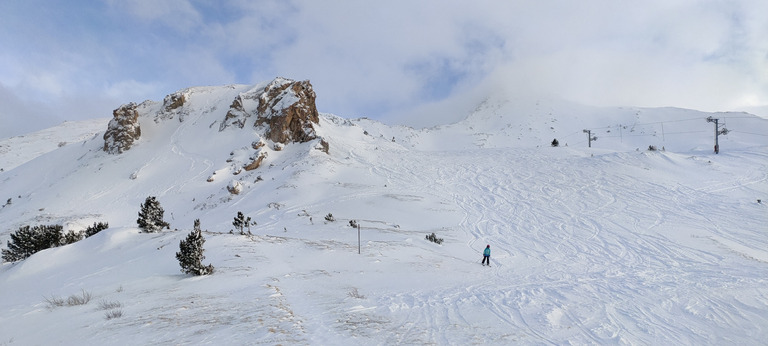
[29, 240]
[240, 222]
[151, 216]
[72, 237]
[96, 228]
[190, 253]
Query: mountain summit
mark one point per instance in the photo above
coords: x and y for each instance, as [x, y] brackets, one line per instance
[284, 111]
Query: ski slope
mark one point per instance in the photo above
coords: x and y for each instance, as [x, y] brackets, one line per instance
[612, 244]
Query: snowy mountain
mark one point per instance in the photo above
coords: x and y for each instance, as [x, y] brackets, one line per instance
[611, 243]
[17, 150]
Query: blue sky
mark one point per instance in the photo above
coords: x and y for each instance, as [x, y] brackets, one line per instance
[409, 62]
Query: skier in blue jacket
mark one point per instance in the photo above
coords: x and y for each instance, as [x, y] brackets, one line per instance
[487, 255]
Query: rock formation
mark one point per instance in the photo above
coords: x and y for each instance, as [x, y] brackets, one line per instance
[256, 160]
[288, 109]
[235, 187]
[283, 111]
[285, 108]
[174, 101]
[123, 129]
[173, 105]
[239, 110]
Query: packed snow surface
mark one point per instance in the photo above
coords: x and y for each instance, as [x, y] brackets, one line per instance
[612, 244]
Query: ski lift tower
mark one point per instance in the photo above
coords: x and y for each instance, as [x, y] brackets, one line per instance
[589, 137]
[719, 130]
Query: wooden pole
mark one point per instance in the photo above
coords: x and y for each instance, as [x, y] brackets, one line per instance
[358, 238]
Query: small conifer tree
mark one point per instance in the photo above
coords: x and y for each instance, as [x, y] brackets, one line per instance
[190, 253]
[151, 216]
[239, 222]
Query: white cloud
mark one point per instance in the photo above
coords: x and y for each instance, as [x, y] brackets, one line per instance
[179, 15]
[18, 116]
[398, 57]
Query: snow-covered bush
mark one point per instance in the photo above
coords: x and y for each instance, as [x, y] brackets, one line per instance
[74, 300]
[330, 218]
[54, 302]
[81, 299]
[433, 238]
[151, 216]
[96, 228]
[29, 240]
[109, 305]
[355, 294]
[72, 237]
[353, 223]
[115, 313]
[190, 253]
[113, 309]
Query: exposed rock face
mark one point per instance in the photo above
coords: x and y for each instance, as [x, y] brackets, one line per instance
[256, 161]
[283, 111]
[123, 129]
[322, 146]
[288, 108]
[285, 107]
[173, 106]
[235, 187]
[237, 114]
[174, 101]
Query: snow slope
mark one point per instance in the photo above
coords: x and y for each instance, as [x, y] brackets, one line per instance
[17, 150]
[610, 244]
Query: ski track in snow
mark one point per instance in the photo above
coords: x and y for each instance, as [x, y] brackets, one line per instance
[549, 275]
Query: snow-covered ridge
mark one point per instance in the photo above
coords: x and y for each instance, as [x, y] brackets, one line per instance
[15, 151]
[610, 244]
[500, 122]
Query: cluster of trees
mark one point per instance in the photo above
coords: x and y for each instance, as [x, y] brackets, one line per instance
[29, 240]
[190, 255]
[433, 238]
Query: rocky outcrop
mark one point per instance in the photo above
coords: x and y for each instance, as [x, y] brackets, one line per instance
[239, 109]
[256, 160]
[123, 129]
[285, 108]
[282, 111]
[174, 101]
[173, 106]
[288, 109]
[235, 187]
